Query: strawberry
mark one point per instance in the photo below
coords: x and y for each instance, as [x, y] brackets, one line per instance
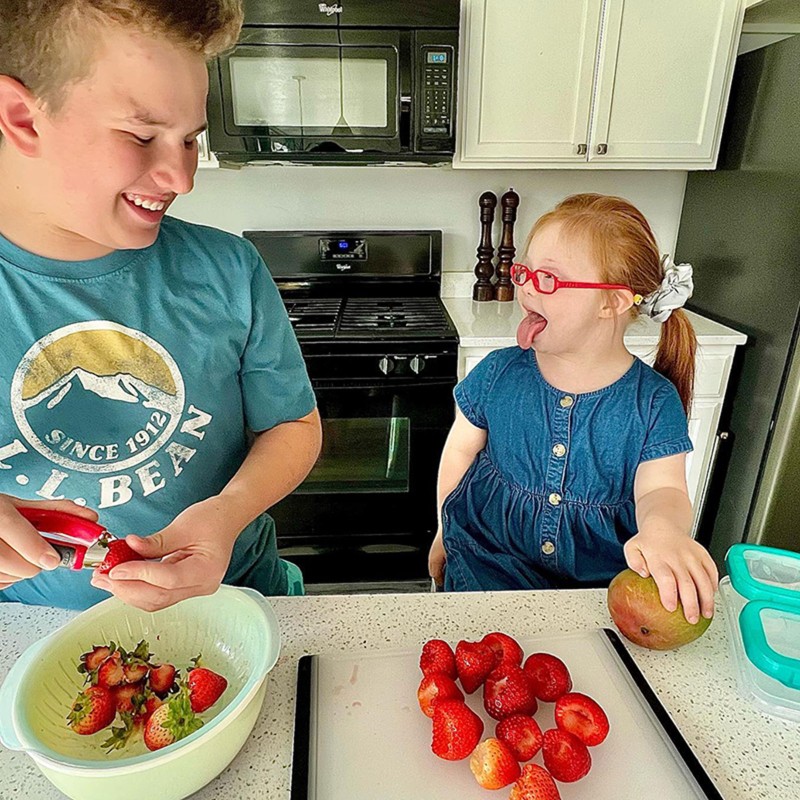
[95, 657]
[565, 755]
[111, 673]
[150, 705]
[118, 552]
[92, 710]
[135, 671]
[580, 715]
[205, 688]
[125, 696]
[505, 648]
[508, 690]
[171, 722]
[522, 734]
[162, 679]
[436, 687]
[437, 656]
[535, 783]
[550, 676]
[474, 661]
[457, 729]
[493, 764]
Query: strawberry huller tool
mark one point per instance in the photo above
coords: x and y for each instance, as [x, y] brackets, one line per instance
[81, 543]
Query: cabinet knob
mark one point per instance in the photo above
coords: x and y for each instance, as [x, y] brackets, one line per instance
[602, 149]
[581, 149]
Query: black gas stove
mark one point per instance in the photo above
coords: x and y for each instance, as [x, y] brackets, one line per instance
[381, 352]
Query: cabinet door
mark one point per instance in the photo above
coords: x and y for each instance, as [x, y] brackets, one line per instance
[703, 422]
[663, 77]
[526, 79]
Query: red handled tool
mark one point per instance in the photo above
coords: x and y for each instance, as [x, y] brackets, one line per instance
[81, 543]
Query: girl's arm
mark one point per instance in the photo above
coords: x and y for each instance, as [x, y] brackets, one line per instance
[464, 442]
[664, 548]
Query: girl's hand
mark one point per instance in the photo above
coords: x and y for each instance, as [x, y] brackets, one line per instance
[680, 566]
[436, 559]
[23, 551]
[195, 550]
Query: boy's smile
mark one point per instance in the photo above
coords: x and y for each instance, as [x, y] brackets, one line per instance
[103, 170]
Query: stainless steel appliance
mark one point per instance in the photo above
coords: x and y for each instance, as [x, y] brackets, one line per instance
[740, 228]
[357, 81]
[381, 353]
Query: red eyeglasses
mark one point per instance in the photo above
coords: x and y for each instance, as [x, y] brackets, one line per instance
[547, 283]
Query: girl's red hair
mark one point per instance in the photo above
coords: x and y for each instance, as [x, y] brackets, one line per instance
[623, 247]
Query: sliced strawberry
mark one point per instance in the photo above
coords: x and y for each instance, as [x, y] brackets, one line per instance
[507, 691]
[578, 714]
[436, 687]
[205, 688]
[474, 661]
[535, 783]
[505, 648]
[457, 729]
[437, 656]
[135, 671]
[550, 676]
[162, 679]
[493, 764]
[171, 722]
[111, 672]
[565, 755]
[119, 551]
[125, 696]
[95, 657]
[522, 734]
[92, 711]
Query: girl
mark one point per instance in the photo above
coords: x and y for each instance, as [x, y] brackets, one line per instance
[567, 456]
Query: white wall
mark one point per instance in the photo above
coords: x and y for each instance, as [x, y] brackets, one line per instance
[341, 198]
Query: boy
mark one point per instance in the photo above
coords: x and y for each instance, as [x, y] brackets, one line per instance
[137, 349]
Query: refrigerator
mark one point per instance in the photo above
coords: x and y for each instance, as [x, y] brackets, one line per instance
[740, 229]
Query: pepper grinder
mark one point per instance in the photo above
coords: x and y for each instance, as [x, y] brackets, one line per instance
[482, 289]
[504, 288]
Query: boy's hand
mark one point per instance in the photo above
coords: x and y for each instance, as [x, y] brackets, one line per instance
[436, 559]
[23, 551]
[680, 566]
[195, 550]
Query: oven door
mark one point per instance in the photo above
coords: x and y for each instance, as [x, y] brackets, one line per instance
[367, 511]
[283, 92]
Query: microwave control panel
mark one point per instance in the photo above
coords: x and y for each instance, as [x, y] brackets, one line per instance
[437, 72]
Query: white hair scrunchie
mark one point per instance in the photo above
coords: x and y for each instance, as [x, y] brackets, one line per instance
[676, 288]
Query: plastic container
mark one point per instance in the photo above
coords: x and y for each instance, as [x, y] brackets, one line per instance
[761, 596]
[237, 633]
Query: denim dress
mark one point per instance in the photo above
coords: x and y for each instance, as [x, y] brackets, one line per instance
[549, 503]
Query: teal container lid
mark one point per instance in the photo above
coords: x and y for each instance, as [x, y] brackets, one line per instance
[765, 573]
[769, 578]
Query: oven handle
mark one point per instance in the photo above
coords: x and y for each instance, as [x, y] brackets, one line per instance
[322, 385]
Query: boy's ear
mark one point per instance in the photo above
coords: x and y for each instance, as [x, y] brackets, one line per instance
[18, 109]
[617, 302]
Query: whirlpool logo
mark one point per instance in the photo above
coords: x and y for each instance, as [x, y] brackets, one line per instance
[330, 10]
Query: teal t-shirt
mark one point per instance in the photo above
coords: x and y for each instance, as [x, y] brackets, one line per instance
[130, 382]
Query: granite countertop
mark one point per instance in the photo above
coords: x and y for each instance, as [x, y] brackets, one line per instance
[749, 756]
[495, 324]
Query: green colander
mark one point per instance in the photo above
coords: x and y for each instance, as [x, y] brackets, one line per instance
[237, 633]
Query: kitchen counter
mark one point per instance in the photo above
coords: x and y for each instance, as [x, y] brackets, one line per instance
[494, 324]
[748, 755]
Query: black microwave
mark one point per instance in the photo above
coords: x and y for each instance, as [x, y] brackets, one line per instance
[357, 81]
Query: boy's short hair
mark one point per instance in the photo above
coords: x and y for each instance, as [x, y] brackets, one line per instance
[46, 44]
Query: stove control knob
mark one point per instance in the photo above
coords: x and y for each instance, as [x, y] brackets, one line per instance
[386, 365]
[417, 364]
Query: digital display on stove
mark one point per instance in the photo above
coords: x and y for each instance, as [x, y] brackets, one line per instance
[349, 249]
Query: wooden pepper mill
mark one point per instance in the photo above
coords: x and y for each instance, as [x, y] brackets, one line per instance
[482, 288]
[504, 288]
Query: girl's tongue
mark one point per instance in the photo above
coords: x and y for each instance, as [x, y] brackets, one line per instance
[529, 329]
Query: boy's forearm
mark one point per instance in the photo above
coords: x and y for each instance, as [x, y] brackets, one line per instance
[277, 463]
[665, 509]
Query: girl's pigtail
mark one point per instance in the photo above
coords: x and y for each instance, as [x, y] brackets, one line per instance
[676, 353]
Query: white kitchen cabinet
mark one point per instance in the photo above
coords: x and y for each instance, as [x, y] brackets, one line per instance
[714, 362]
[205, 158]
[594, 83]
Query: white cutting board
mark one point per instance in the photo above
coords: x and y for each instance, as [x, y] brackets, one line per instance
[370, 741]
